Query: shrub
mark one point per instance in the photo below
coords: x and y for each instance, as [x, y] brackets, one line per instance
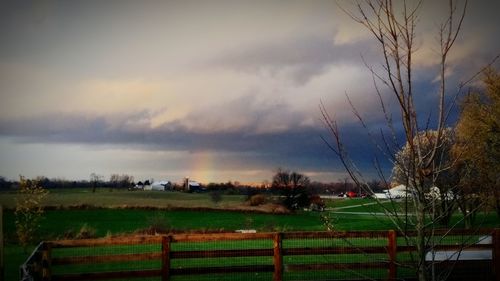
[317, 204]
[28, 210]
[257, 199]
[216, 196]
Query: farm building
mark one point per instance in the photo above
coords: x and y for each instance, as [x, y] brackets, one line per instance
[401, 191]
[161, 185]
[157, 185]
[192, 186]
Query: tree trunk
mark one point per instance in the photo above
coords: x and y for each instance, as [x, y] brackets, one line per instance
[420, 242]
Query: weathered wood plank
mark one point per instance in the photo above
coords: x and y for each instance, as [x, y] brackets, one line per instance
[334, 250]
[165, 258]
[335, 266]
[221, 253]
[107, 275]
[221, 269]
[188, 237]
[46, 262]
[335, 234]
[277, 257]
[392, 245]
[124, 240]
[106, 258]
[496, 253]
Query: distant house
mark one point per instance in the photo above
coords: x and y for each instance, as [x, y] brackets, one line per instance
[161, 185]
[139, 185]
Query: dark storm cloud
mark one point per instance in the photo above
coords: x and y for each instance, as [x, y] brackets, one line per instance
[299, 146]
[68, 128]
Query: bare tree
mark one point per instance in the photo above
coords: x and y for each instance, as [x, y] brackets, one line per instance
[95, 179]
[392, 24]
[294, 188]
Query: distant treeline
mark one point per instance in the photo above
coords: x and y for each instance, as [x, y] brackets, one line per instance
[47, 183]
[127, 182]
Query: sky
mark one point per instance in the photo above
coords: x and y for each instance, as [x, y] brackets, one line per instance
[210, 90]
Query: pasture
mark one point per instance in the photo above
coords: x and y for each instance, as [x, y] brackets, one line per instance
[118, 198]
[110, 215]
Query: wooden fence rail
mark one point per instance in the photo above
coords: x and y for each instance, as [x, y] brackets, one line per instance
[42, 263]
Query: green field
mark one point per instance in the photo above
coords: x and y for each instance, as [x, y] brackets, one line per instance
[115, 198]
[111, 218]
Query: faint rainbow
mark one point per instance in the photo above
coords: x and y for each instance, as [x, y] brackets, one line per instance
[202, 167]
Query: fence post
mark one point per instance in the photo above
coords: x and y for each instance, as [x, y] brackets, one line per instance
[278, 257]
[1, 245]
[46, 261]
[165, 258]
[392, 251]
[496, 253]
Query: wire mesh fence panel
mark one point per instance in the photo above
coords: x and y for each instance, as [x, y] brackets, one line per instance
[335, 258]
[103, 259]
[451, 256]
[269, 256]
[222, 260]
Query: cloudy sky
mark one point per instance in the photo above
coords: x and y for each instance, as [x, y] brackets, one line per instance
[213, 90]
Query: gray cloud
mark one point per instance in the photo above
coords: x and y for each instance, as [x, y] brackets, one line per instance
[299, 147]
[302, 57]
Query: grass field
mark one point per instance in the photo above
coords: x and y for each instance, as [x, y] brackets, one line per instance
[112, 198]
[106, 220]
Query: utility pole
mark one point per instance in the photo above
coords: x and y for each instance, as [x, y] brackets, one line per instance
[345, 185]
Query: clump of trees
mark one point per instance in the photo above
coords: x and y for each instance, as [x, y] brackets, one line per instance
[478, 143]
[121, 181]
[466, 171]
[293, 187]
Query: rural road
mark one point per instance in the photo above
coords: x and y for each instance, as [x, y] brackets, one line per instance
[336, 210]
[353, 206]
[365, 213]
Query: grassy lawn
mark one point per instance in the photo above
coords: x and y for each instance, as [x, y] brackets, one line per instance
[115, 221]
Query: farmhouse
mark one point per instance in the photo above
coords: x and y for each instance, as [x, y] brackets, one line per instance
[157, 185]
[161, 185]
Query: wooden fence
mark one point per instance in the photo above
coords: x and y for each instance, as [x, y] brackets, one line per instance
[40, 264]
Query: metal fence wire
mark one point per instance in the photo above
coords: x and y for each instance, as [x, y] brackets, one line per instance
[374, 255]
